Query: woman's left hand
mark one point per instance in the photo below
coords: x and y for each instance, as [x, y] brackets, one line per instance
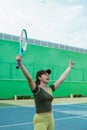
[71, 64]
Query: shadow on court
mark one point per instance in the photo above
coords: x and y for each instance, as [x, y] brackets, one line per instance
[69, 116]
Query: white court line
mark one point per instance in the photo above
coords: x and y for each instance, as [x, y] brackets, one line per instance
[74, 112]
[83, 118]
[67, 118]
[12, 125]
[10, 107]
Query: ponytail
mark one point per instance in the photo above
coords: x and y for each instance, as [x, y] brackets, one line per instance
[37, 82]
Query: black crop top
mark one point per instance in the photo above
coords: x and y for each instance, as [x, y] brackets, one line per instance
[43, 99]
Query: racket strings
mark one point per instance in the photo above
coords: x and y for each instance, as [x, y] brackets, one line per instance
[23, 41]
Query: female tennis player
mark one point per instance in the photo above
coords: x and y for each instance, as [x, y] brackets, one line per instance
[43, 118]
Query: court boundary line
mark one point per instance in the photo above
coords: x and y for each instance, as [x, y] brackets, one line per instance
[9, 107]
[17, 124]
[67, 118]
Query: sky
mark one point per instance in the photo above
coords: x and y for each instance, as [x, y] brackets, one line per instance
[59, 21]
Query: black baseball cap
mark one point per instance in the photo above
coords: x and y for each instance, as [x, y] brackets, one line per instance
[40, 72]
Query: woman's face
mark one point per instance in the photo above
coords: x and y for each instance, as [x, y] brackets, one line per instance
[44, 78]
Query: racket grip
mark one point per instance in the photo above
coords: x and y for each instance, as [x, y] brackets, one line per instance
[18, 64]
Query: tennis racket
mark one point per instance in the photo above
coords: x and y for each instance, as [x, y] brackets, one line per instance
[23, 45]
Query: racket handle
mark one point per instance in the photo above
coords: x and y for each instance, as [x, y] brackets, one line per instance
[18, 64]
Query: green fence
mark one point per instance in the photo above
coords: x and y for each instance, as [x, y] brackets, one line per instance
[13, 82]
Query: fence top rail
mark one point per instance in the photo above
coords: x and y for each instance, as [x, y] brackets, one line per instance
[15, 38]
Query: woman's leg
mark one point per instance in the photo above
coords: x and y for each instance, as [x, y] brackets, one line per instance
[51, 126]
[40, 126]
[40, 122]
[51, 123]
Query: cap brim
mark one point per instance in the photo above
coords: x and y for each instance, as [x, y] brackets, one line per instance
[48, 71]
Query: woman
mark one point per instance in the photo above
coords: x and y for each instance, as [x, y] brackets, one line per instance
[43, 118]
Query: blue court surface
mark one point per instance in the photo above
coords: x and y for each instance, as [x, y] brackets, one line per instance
[67, 117]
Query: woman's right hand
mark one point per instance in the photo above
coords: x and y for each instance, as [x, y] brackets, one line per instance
[19, 58]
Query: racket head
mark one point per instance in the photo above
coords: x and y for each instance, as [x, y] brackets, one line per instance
[23, 41]
[23, 45]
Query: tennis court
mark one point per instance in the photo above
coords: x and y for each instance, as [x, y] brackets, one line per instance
[67, 116]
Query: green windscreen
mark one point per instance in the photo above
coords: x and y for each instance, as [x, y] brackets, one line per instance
[13, 82]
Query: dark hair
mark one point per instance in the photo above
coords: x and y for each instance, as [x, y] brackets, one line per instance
[39, 73]
[37, 82]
